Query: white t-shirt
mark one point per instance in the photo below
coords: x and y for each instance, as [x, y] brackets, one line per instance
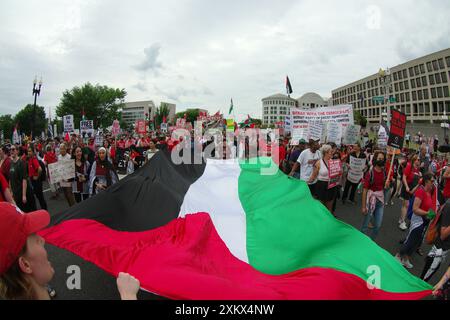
[307, 160]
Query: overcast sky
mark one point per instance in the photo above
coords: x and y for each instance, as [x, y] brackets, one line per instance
[200, 53]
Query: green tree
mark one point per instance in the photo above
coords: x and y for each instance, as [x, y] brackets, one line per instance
[161, 112]
[359, 119]
[100, 103]
[192, 115]
[7, 125]
[25, 118]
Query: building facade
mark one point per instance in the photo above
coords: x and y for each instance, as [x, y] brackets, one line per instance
[311, 100]
[133, 111]
[419, 88]
[172, 111]
[276, 108]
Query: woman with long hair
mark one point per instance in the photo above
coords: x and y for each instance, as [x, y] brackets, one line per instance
[411, 177]
[25, 270]
[103, 174]
[80, 186]
[424, 209]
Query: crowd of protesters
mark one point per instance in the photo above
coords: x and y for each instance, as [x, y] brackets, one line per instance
[419, 179]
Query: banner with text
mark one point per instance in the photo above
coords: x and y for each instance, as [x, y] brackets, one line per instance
[342, 114]
[62, 170]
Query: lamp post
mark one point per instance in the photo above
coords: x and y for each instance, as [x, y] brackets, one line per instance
[386, 82]
[36, 93]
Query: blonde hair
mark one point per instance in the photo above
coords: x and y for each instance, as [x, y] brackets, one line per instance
[325, 149]
[14, 285]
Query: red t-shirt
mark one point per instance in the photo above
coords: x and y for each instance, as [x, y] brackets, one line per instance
[4, 184]
[427, 200]
[50, 157]
[33, 167]
[410, 172]
[121, 144]
[6, 166]
[378, 181]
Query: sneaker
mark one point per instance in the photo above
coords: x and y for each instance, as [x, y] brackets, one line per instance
[392, 202]
[407, 264]
[403, 226]
[352, 202]
[399, 259]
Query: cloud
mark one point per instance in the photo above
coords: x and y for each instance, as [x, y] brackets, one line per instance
[201, 53]
[150, 62]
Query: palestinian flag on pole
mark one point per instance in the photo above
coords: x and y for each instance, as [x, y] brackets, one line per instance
[288, 86]
[231, 108]
[223, 230]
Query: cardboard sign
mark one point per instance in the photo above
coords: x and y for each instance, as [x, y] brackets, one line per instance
[398, 129]
[334, 171]
[87, 129]
[356, 171]
[62, 170]
[68, 123]
[315, 130]
[334, 133]
[351, 135]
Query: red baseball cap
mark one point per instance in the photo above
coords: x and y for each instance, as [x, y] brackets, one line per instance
[15, 227]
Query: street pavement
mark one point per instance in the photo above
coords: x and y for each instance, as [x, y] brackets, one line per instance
[98, 285]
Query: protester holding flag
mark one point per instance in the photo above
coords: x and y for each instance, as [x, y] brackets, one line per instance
[424, 209]
[373, 195]
[24, 267]
[35, 173]
[20, 184]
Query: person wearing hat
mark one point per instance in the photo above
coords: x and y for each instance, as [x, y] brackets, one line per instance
[25, 270]
[306, 161]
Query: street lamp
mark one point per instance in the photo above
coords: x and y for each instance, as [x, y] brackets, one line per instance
[36, 93]
[386, 82]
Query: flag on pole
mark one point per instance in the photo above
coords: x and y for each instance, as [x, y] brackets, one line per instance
[16, 138]
[231, 107]
[288, 86]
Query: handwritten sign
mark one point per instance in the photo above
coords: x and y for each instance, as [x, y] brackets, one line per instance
[61, 171]
[351, 135]
[68, 123]
[334, 133]
[356, 171]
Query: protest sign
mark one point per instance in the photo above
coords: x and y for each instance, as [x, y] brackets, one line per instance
[382, 138]
[115, 128]
[164, 127]
[62, 170]
[398, 129]
[68, 123]
[315, 130]
[141, 128]
[356, 171]
[300, 119]
[334, 171]
[87, 129]
[99, 138]
[288, 124]
[351, 135]
[299, 134]
[334, 133]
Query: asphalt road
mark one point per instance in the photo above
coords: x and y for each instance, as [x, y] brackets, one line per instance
[98, 285]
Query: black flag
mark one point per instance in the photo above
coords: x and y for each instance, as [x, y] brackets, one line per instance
[288, 86]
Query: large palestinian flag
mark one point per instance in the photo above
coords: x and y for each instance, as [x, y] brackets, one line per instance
[223, 230]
